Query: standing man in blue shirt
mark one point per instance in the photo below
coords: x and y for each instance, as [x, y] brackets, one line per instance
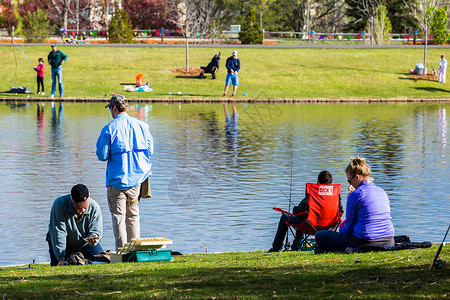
[76, 225]
[126, 144]
[56, 60]
[233, 66]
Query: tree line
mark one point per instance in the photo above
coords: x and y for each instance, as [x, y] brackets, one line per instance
[201, 17]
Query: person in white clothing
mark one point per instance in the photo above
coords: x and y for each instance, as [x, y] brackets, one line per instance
[442, 69]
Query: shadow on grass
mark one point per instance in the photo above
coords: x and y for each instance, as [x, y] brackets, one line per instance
[132, 83]
[298, 279]
[187, 77]
[431, 89]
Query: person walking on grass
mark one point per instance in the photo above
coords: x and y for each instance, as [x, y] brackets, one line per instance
[56, 59]
[126, 144]
[442, 69]
[233, 66]
[40, 76]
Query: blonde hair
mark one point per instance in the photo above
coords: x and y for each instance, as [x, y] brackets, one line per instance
[358, 166]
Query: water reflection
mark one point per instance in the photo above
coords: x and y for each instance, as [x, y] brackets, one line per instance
[231, 128]
[442, 127]
[218, 170]
[56, 136]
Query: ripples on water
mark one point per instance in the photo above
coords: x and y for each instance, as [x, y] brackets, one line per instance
[215, 182]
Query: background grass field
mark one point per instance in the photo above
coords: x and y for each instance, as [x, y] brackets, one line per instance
[93, 72]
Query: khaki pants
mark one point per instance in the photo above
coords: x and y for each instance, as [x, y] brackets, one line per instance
[124, 208]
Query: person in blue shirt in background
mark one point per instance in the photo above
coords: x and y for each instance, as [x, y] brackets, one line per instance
[76, 226]
[126, 144]
[233, 66]
[368, 215]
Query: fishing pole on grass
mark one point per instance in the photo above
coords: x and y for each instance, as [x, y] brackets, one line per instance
[438, 264]
[23, 53]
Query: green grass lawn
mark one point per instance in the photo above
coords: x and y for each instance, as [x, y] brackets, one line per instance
[245, 275]
[92, 72]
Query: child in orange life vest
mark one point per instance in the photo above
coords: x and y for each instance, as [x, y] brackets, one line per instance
[40, 76]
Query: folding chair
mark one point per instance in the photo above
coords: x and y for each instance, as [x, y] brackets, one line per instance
[323, 211]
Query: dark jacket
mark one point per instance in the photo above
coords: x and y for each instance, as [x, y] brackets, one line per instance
[55, 58]
[233, 64]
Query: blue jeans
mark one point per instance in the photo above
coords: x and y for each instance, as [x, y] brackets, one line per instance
[57, 72]
[282, 230]
[87, 250]
[334, 241]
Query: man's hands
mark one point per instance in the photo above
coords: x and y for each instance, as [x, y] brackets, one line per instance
[92, 240]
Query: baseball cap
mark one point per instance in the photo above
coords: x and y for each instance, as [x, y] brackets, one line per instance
[117, 100]
[234, 53]
[53, 45]
[79, 193]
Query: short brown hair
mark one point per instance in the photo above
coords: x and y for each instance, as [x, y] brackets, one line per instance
[325, 177]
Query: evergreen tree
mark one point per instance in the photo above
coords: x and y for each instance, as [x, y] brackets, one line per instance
[37, 26]
[250, 32]
[120, 30]
[439, 26]
[382, 26]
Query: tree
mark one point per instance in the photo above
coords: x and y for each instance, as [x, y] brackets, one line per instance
[37, 26]
[12, 13]
[400, 16]
[306, 15]
[193, 18]
[250, 32]
[120, 30]
[367, 9]
[439, 26]
[424, 11]
[382, 26]
[149, 14]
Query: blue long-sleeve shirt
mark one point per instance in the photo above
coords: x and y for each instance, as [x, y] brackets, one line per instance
[233, 64]
[126, 143]
[66, 230]
[368, 213]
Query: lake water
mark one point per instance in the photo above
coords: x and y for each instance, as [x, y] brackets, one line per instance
[215, 180]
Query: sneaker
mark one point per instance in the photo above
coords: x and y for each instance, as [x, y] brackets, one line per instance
[224, 95]
[273, 250]
[37, 93]
[52, 96]
[42, 93]
[232, 96]
[76, 259]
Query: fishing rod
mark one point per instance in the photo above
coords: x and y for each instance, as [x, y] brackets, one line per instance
[437, 264]
[286, 244]
[23, 53]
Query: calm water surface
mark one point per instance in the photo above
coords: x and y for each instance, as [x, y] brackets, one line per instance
[216, 179]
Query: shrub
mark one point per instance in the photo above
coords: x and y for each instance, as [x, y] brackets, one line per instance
[382, 26]
[439, 26]
[250, 32]
[120, 30]
[37, 26]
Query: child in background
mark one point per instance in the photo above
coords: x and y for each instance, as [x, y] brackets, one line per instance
[40, 76]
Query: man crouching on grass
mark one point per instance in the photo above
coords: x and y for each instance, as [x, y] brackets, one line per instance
[76, 226]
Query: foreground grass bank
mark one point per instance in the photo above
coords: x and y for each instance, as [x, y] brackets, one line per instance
[93, 72]
[247, 275]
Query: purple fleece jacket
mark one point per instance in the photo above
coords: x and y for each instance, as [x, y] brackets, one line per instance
[368, 213]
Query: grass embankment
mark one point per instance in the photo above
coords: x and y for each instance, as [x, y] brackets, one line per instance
[247, 275]
[93, 72]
